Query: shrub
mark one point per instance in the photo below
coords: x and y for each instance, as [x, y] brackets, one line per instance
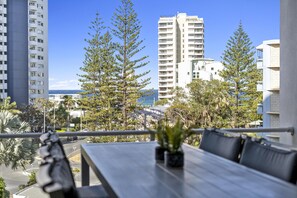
[3, 192]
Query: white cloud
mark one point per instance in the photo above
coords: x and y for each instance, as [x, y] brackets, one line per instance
[65, 84]
[51, 79]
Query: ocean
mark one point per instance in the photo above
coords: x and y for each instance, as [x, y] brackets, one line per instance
[149, 100]
[145, 101]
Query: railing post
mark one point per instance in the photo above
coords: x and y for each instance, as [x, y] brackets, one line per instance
[85, 172]
[144, 122]
[153, 136]
[291, 129]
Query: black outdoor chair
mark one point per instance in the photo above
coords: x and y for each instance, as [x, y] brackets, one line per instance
[228, 147]
[55, 175]
[270, 160]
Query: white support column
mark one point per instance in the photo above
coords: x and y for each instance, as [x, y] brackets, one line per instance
[288, 68]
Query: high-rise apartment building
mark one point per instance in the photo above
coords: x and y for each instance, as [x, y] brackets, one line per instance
[23, 50]
[268, 61]
[180, 39]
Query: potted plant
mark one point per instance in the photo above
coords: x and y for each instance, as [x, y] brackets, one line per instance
[174, 156]
[162, 140]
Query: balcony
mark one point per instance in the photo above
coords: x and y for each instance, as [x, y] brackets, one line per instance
[33, 7]
[260, 109]
[273, 89]
[259, 64]
[260, 86]
[272, 112]
[273, 66]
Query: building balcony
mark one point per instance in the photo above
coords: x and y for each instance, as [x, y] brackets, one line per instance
[163, 85]
[3, 20]
[33, 51]
[260, 86]
[259, 64]
[165, 58]
[163, 68]
[33, 25]
[162, 74]
[273, 89]
[260, 109]
[33, 34]
[272, 112]
[33, 7]
[274, 66]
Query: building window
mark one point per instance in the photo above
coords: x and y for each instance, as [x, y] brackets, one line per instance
[40, 32]
[32, 38]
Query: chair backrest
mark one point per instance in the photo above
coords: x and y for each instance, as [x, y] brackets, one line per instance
[55, 178]
[221, 145]
[53, 144]
[55, 175]
[48, 137]
[273, 161]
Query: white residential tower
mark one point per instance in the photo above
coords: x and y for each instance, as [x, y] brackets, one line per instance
[180, 39]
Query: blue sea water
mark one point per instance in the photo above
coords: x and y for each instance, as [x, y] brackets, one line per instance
[149, 100]
[145, 101]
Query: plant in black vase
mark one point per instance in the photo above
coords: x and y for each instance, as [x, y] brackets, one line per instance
[162, 140]
[174, 156]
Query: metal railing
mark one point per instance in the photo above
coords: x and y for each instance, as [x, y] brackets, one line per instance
[254, 130]
[148, 132]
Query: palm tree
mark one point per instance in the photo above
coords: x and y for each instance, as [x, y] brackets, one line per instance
[6, 104]
[15, 151]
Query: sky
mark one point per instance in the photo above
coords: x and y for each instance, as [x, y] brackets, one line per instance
[69, 22]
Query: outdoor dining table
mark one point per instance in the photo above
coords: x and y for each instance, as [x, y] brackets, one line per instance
[130, 170]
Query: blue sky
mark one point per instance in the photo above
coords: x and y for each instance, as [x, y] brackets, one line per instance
[69, 21]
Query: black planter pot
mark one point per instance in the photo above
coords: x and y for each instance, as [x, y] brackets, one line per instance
[159, 154]
[174, 160]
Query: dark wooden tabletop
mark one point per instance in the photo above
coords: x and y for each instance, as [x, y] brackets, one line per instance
[129, 170]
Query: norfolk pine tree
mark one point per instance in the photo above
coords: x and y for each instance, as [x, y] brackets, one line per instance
[98, 80]
[240, 76]
[126, 29]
